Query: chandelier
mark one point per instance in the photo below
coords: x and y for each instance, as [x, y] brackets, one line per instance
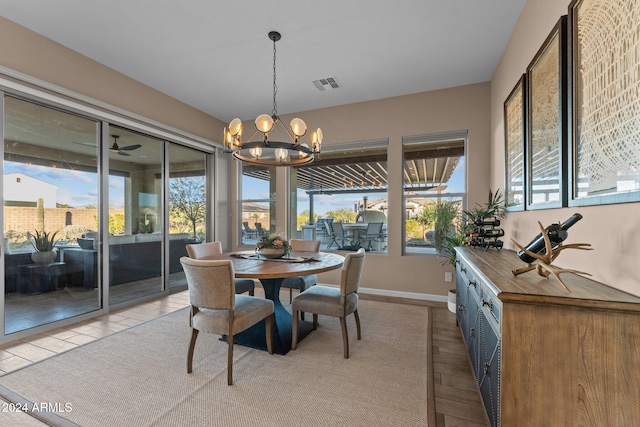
[270, 149]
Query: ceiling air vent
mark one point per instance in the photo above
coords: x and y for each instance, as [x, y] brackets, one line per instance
[326, 84]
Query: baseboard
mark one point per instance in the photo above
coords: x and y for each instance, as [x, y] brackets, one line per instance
[398, 294]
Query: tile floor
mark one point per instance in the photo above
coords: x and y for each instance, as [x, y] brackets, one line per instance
[23, 352]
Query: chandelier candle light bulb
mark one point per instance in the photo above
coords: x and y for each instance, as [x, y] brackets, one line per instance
[264, 123]
[256, 152]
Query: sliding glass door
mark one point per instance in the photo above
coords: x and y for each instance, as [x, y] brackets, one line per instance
[116, 206]
[135, 215]
[50, 192]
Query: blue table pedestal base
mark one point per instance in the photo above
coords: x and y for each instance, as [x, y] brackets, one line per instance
[255, 336]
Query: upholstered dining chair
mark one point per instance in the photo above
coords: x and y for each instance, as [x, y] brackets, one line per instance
[330, 301]
[216, 309]
[301, 282]
[201, 250]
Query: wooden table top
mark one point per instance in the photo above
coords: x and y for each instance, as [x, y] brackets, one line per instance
[496, 267]
[274, 269]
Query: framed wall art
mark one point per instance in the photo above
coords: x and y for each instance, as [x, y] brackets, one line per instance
[605, 91]
[547, 122]
[515, 139]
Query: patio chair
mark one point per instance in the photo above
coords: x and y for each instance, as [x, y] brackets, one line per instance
[321, 230]
[331, 301]
[260, 232]
[373, 233]
[249, 232]
[335, 233]
[216, 309]
[201, 250]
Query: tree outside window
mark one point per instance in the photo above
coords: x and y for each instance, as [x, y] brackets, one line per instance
[187, 204]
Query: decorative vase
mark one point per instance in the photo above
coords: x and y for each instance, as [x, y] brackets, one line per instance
[271, 253]
[46, 257]
[451, 301]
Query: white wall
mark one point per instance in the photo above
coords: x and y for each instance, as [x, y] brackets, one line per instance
[19, 187]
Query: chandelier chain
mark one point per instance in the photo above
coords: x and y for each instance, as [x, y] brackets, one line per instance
[270, 150]
[274, 111]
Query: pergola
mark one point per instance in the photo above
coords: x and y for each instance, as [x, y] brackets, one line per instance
[366, 171]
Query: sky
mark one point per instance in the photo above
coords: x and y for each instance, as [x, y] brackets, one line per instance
[75, 188]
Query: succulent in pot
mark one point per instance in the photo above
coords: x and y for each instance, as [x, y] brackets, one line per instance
[43, 243]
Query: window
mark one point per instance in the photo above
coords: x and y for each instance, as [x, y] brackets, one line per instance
[434, 177]
[258, 202]
[347, 186]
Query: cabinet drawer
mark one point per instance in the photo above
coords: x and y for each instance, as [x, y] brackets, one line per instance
[469, 278]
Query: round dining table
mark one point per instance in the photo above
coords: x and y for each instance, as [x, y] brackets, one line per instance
[271, 273]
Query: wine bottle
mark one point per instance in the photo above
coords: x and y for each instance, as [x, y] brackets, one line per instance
[492, 223]
[486, 232]
[557, 234]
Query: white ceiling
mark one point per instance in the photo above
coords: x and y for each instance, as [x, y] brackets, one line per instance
[216, 56]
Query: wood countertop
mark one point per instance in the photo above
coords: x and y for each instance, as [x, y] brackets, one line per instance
[496, 269]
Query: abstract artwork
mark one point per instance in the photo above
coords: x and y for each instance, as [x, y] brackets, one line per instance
[606, 95]
[514, 136]
[547, 110]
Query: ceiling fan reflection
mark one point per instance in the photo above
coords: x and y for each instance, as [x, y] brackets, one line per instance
[115, 147]
[122, 150]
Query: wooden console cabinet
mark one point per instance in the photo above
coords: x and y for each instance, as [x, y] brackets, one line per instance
[543, 356]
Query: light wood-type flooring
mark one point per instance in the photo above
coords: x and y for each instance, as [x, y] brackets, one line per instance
[457, 401]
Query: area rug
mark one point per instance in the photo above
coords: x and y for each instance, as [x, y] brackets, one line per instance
[138, 377]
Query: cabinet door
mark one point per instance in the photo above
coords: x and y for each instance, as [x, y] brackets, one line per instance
[489, 367]
[474, 313]
[461, 303]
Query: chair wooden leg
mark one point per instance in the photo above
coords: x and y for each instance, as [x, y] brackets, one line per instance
[230, 360]
[345, 336]
[355, 314]
[294, 329]
[192, 346]
[270, 333]
[290, 295]
[315, 321]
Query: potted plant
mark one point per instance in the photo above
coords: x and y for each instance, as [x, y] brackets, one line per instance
[272, 246]
[44, 244]
[445, 213]
[494, 208]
